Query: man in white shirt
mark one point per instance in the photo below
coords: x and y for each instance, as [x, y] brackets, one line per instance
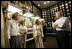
[62, 28]
[13, 31]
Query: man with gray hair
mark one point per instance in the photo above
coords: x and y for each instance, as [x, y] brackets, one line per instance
[62, 28]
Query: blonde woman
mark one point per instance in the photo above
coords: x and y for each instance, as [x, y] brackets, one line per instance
[38, 34]
[23, 31]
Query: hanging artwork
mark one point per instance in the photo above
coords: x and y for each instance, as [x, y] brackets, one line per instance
[24, 10]
[20, 4]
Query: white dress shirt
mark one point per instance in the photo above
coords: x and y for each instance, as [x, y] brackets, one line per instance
[37, 30]
[12, 28]
[62, 22]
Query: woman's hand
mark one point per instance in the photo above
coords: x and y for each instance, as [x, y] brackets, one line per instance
[34, 37]
[42, 35]
[25, 32]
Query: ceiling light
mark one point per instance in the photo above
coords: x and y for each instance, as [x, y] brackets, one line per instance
[38, 4]
[14, 1]
[44, 2]
[13, 9]
[48, 1]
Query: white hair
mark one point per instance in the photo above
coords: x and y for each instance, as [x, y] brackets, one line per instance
[42, 20]
[59, 12]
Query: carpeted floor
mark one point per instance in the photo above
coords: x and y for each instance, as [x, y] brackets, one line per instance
[49, 43]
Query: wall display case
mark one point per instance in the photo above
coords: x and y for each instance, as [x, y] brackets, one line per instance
[43, 13]
[70, 4]
[68, 7]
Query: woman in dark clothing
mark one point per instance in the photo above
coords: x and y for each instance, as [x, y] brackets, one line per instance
[44, 30]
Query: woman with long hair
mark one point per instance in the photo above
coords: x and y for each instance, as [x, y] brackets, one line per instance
[38, 34]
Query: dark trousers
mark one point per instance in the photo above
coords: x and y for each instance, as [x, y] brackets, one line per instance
[62, 39]
[14, 42]
[44, 38]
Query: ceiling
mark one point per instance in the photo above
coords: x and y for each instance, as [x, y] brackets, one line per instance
[42, 5]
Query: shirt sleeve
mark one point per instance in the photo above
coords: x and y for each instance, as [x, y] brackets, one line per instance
[20, 29]
[56, 22]
[8, 29]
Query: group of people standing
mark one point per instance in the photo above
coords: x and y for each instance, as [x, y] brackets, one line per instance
[38, 33]
[17, 32]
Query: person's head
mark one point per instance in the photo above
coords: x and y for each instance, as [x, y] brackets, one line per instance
[15, 16]
[58, 14]
[22, 22]
[37, 22]
[42, 22]
[4, 4]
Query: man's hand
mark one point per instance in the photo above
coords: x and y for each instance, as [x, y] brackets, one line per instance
[56, 25]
